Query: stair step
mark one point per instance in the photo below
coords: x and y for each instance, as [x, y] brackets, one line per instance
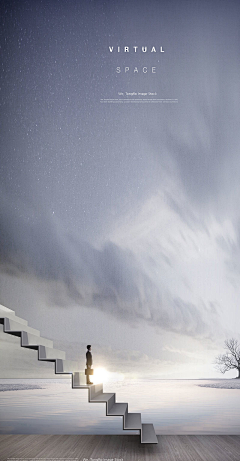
[148, 434]
[6, 309]
[79, 379]
[49, 354]
[16, 327]
[118, 409]
[102, 397]
[133, 421]
[66, 366]
[33, 341]
[11, 315]
[94, 390]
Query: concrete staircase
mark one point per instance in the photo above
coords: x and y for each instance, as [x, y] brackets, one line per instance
[30, 338]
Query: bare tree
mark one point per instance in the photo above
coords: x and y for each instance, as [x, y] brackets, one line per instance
[231, 359]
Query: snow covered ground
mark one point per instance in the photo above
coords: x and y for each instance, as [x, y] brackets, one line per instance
[18, 387]
[223, 384]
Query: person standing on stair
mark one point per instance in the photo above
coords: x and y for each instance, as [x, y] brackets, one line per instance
[89, 362]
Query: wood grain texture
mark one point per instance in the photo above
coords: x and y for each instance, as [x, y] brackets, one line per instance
[124, 447]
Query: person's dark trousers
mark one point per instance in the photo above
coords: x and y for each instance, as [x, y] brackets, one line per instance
[88, 376]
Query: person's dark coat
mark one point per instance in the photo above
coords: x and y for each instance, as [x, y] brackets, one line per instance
[89, 359]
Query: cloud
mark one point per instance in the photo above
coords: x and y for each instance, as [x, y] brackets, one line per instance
[230, 246]
[17, 362]
[112, 279]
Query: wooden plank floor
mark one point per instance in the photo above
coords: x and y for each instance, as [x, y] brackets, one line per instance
[121, 447]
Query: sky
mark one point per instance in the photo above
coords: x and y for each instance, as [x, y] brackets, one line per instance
[120, 222]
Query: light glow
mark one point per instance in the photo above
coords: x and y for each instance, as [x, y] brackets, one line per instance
[100, 376]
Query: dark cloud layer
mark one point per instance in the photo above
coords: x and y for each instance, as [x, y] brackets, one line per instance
[110, 279]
